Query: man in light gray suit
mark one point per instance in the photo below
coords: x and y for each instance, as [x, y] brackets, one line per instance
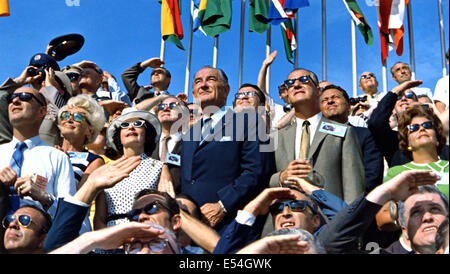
[329, 147]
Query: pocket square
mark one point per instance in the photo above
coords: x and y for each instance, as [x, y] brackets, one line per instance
[226, 139]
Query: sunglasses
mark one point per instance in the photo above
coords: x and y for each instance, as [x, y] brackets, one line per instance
[169, 105]
[241, 95]
[23, 220]
[416, 127]
[294, 205]
[149, 209]
[25, 97]
[137, 123]
[76, 116]
[73, 76]
[365, 76]
[156, 246]
[303, 79]
[407, 96]
[354, 101]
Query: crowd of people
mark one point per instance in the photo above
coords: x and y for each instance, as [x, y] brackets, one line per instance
[90, 168]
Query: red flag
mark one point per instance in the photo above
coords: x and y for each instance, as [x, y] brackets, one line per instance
[390, 25]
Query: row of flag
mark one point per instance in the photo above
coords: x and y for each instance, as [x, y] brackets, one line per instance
[213, 17]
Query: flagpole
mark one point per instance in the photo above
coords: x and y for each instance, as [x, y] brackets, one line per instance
[216, 51]
[296, 37]
[324, 40]
[189, 55]
[411, 43]
[268, 51]
[241, 43]
[384, 73]
[354, 64]
[163, 49]
[441, 29]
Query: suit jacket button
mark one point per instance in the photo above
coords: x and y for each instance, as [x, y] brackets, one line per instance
[193, 181]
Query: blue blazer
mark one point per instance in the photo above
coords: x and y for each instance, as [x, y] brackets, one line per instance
[228, 166]
[66, 225]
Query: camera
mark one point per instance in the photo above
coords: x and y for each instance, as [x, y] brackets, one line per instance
[35, 71]
[287, 108]
[354, 101]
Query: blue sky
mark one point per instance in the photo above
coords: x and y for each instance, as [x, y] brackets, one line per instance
[120, 33]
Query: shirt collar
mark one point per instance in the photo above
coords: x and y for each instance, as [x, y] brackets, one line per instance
[217, 116]
[313, 120]
[175, 137]
[31, 142]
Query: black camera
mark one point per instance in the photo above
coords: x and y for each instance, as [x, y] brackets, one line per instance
[287, 108]
[354, 101]
[35, 71]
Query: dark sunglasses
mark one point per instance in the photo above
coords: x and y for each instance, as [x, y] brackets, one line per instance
[73, 76]
[137, 123]
[294, 205]
[416, 127]
[241, 95]
[371, 75]
[24, 96]
[407, 96]
[149, 209]
[354, 101]
[303, 79]
[24, 220]
[170, 105]
[76, 116]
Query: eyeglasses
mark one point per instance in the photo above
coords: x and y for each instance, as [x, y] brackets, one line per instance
[24, 96]
[137, 123]
[24, 220]
[241, 95]
[354, 101]
[149, 209]
[416, 127]
[294, 205]
[409, 95]
[169, 105]
[156, 246]
[76, 116]
[371, 75]
[73, 76]
[303, 79]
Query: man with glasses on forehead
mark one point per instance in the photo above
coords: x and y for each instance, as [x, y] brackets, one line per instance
[25, 230]
[316, 145]
[32, 171]
[394, 102]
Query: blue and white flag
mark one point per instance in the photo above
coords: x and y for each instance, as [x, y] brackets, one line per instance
[281, 10]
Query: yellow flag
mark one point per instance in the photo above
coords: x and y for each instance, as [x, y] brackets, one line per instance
[4, 8]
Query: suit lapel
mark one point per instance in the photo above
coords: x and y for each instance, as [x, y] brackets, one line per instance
[318, 138]
[289, 142]
[218, 128]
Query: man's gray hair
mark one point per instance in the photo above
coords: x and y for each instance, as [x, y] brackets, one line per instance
[222, 74]
[315, 246]
[422, 190]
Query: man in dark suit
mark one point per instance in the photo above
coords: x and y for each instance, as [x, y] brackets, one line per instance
[334, 104]
[222, 167]
[336, 158]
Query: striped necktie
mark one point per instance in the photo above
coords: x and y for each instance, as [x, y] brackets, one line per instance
[16, 164]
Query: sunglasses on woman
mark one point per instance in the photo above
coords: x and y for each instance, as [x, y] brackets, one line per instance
[25, 97]
[303, 79]
[76, 116]
[416, 127]
[24, 220]
[241, 95]
[407, 96]
[294, 205]
[149, 209]
[169, 105]
[137, 123]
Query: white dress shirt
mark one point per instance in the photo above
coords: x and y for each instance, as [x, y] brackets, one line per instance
[46, 161]
[171, 143]
[314, 123]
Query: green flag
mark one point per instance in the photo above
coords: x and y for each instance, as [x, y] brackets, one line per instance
[290, 44]
[215, 16]
[257, 20]
[360, 21]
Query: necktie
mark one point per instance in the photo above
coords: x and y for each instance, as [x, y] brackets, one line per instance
[16, 164]
[206, 128]
[164, 148]
[304, 145]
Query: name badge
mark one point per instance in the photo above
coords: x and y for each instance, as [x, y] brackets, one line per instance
[333, 129]
[173, 159]
[78, 155]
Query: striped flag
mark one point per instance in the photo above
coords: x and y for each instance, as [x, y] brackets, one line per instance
[215, 16]
[4, 8]
[390, 25]
[290, 44]
[171, 28]
[281, 10]
[196, 24]
[359, 20]
[257, 20]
